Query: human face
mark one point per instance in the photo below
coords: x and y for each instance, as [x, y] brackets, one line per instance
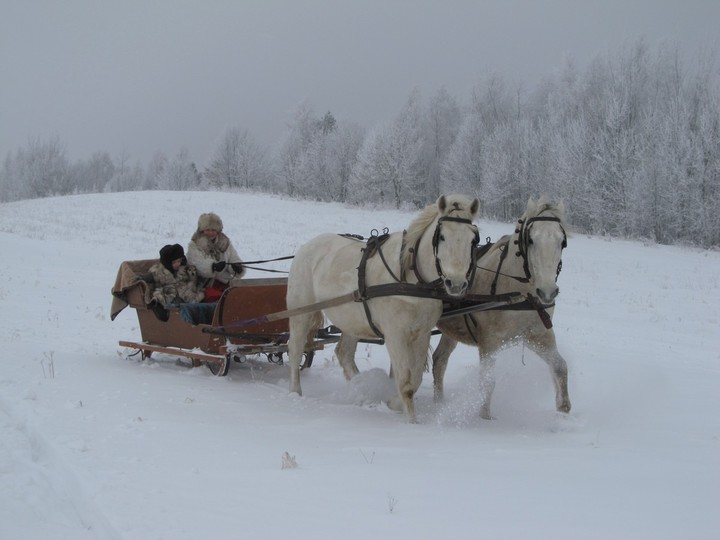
[176, 264]
[210, 233]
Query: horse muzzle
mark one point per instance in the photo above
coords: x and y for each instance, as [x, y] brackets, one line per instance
[455, 289]
[547, 294]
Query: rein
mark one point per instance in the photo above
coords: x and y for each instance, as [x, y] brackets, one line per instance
[247, 264]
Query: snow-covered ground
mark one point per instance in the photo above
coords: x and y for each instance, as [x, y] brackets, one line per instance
[97, 444]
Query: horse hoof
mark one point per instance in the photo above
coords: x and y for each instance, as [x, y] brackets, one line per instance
[396, 404]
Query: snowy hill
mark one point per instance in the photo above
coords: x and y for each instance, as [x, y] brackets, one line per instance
[96, 444]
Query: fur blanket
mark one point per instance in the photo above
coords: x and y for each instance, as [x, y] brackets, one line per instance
[128, 280]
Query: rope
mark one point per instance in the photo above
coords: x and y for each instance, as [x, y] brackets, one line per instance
[265, 269]
[246, 264]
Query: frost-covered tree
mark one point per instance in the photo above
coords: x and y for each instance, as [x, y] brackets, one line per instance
[239, 161]
[12, 184]
[346, 144]
[317, 155]
[463, 166]
[390, 169]
[300, 134]
[179, 174]
[370, 177]
[40, 169]
[91, 175]
[443, 121]
[126, 177]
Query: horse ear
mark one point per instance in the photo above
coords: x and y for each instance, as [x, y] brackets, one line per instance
[442, 204]
[475, 206]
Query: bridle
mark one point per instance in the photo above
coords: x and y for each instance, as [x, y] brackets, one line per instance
[523, 243]
[436, 239]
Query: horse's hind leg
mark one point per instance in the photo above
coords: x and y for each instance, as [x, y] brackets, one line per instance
[440, 358]
[302, 330]
[345, 352]
[546, 348]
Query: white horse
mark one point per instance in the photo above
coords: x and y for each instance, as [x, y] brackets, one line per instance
[439, 243]
[528, 261]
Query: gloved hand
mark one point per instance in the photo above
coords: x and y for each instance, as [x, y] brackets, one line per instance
[237, 267]
[218, 266]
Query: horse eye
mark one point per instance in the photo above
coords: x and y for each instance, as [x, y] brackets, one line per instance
[441, 238]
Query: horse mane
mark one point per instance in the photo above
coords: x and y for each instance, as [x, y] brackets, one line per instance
[457, 205]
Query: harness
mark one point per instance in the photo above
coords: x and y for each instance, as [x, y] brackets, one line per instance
[522, 242]
[423, 288]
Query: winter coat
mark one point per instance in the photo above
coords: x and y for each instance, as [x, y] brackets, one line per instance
[202, 253]
[178, 288]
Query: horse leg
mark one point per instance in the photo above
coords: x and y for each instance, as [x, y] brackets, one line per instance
[546, 348]
[407, 358]
[400, 368]
[440, 358]
[487, 384]
[302, 331]
[345, 352]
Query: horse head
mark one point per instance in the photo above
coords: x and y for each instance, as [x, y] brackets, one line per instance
[450, 251]
[540, 240]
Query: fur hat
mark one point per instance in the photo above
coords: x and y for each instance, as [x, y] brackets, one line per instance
[210, 221]
[169, 253]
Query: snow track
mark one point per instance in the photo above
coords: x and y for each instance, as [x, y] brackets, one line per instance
[41, 488]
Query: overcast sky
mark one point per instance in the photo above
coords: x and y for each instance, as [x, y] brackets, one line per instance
[140, 76]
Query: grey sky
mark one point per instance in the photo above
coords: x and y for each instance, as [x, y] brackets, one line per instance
[140, 76]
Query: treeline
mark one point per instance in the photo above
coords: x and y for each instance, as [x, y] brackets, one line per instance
[631, 144]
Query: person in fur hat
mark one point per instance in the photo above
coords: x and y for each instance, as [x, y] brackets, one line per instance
[213, 254]
[174, 279]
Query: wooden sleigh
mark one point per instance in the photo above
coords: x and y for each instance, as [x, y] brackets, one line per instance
[214, 342]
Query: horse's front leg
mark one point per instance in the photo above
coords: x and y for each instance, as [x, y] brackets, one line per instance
[440, 358]
[345, 352]
[408, 355]
[487, 383]
[545, 347]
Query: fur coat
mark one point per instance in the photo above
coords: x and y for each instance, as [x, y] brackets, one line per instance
[202, 253]
[175, 288]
